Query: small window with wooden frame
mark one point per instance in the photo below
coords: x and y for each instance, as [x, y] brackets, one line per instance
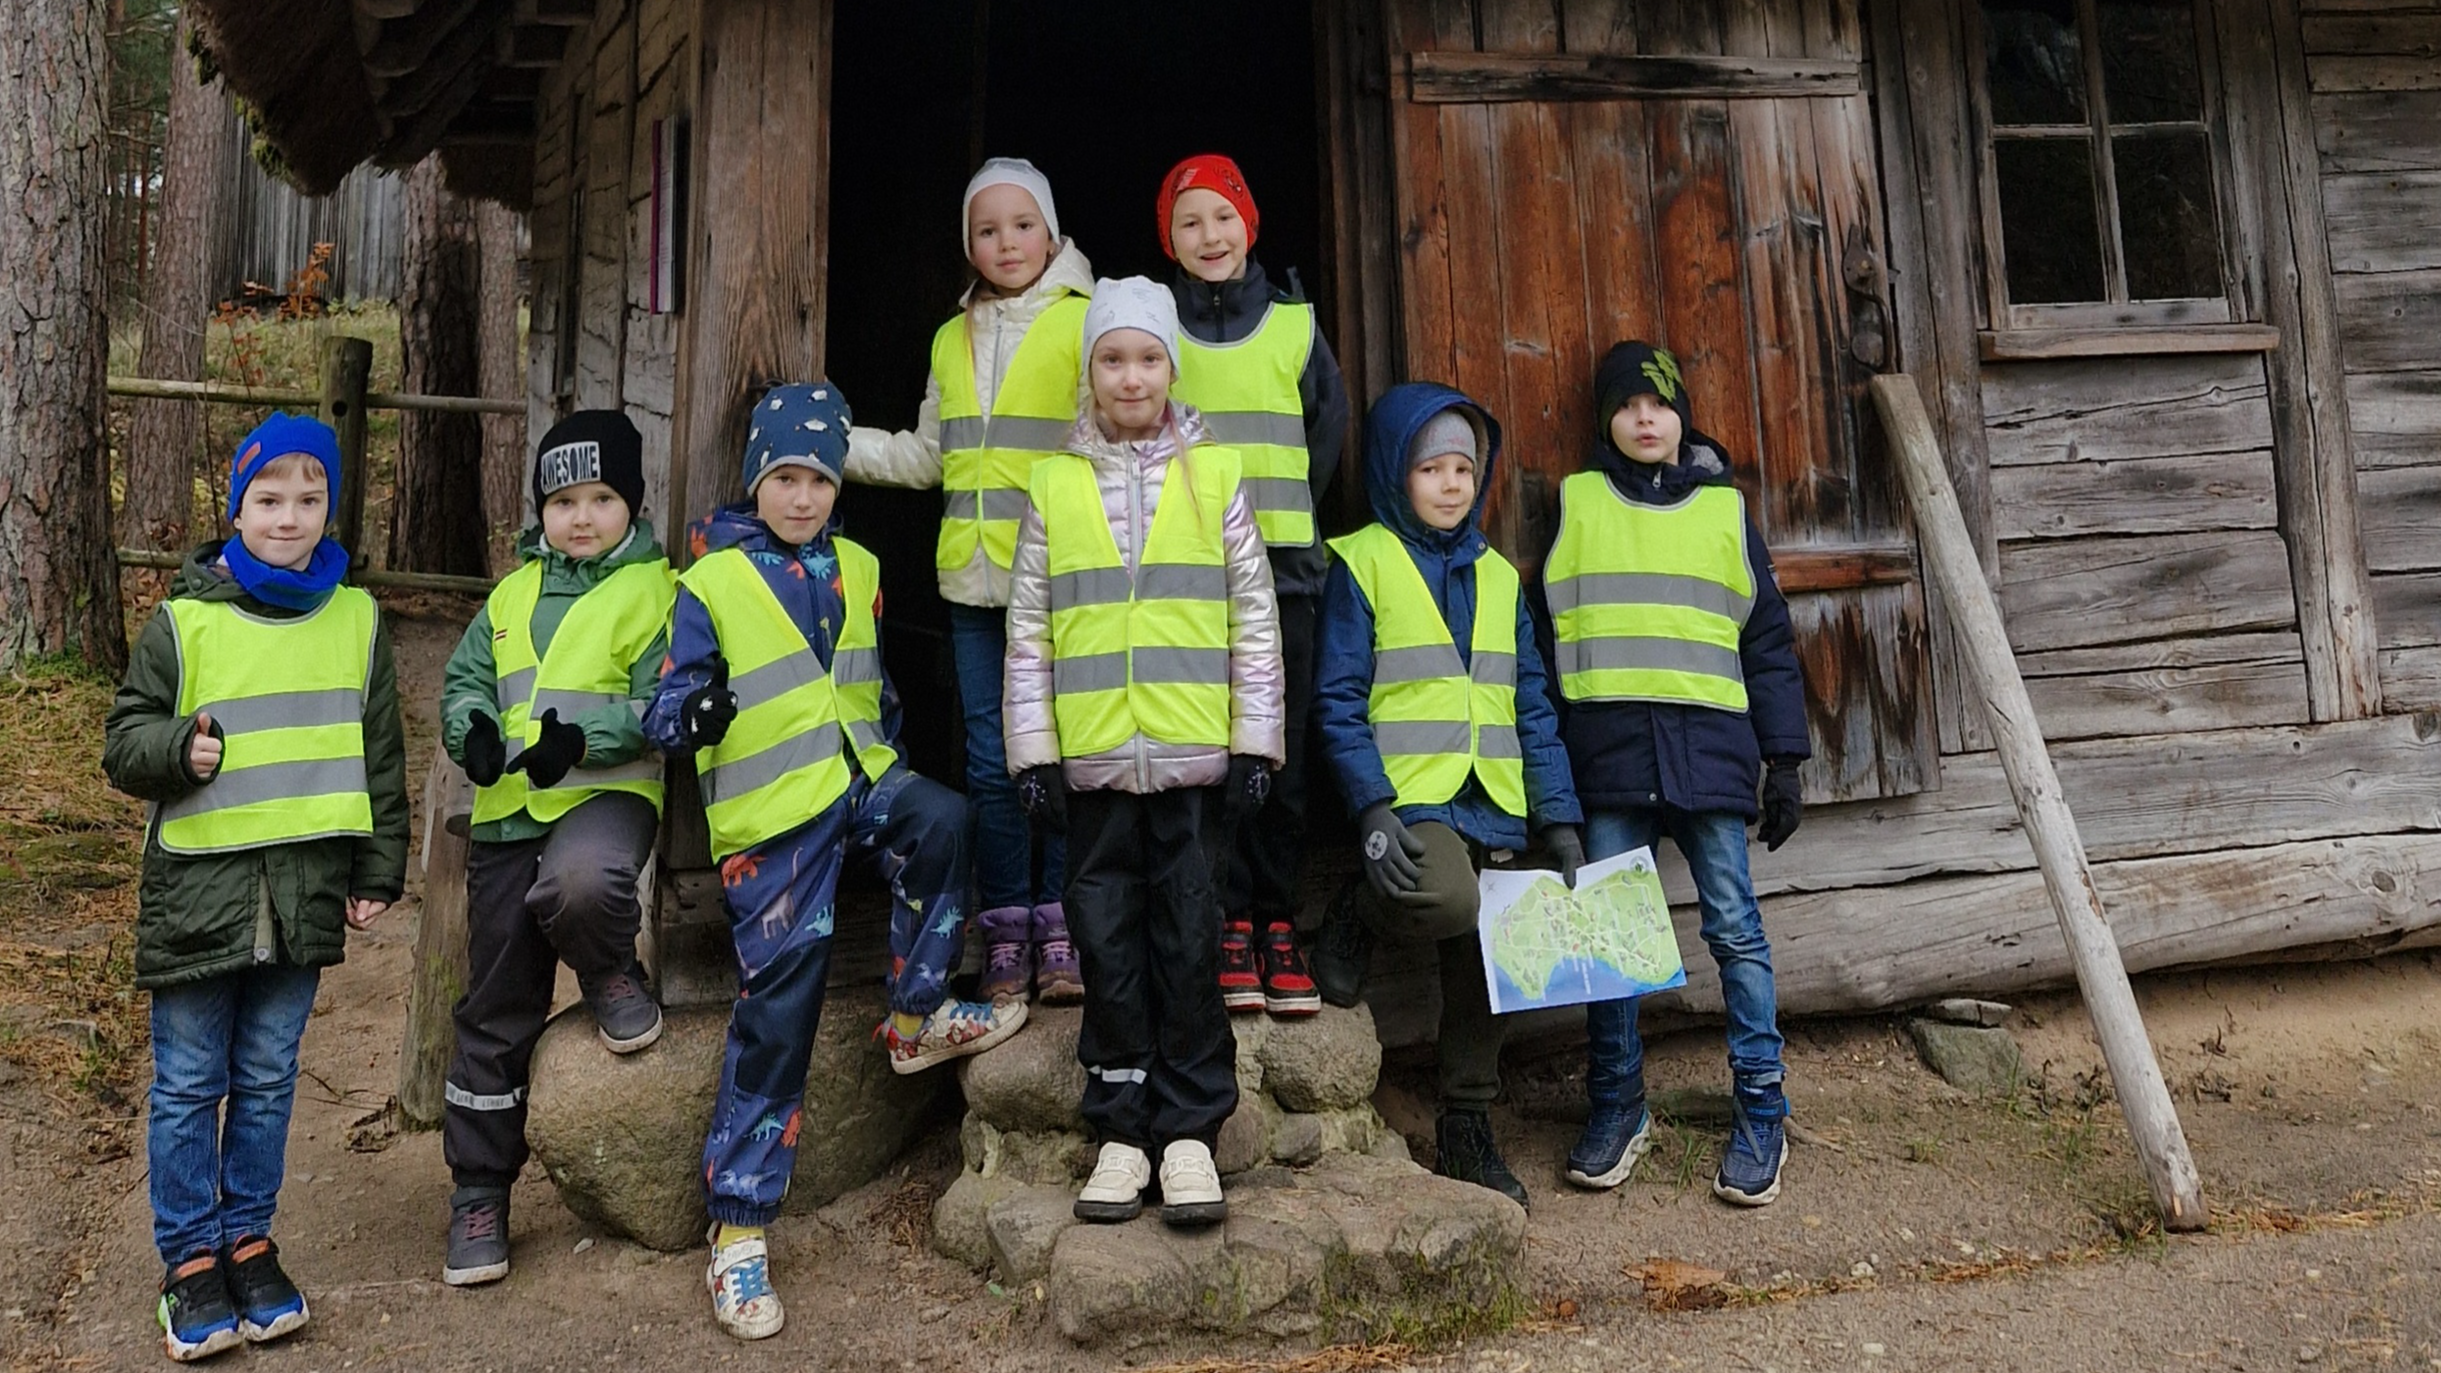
[2105, 173]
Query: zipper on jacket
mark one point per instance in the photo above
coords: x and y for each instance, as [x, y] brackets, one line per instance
[1139, 536]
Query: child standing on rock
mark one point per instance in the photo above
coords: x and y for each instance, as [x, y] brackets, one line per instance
[775, 686]
[539, 705]
[1002, 394]
[259, 717]
[1144, 720]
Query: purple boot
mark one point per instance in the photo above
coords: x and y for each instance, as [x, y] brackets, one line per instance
[1058, 980]
[1008, 963]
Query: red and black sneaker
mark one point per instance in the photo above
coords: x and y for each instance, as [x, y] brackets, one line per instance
[1287, 988]
[1241, 986]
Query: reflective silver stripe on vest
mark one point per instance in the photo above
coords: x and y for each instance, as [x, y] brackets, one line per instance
[288, 710]
[1421, 736]
[644, 769]
[966, 431]
[1625, 653]
[1648, 588]
[1266, 427]
[1494, 669]
[775, 679]
[514, 689]
[1092, 672]
[866, 736]
[271, 782]
[739, 776]
[465, 1100]
[1090, 586]
[855, 666]
[569, 703]
[1498, 741]
[1278, 493]
[1181, 582]
[994, 503]
[1421, 663]
[1017, 432]
[1196, 666]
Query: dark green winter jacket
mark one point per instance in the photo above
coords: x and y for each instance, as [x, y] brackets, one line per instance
[203, 915]
[470, 680]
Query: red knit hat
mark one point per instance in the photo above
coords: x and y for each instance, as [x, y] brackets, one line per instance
[1211, 172]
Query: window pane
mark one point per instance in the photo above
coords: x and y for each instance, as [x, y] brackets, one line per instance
[2033, 65]
[2047, 219]
[2168, 221]
[2148, 61]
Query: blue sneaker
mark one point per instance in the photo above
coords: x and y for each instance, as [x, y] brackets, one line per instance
[196, 1318]
[1758, 1145]
[1615, 1137]
[268, 1304]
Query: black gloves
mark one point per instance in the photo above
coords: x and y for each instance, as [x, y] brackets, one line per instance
[706, 713]
[1782, 803]
[484, 751]
[548, 758]
[1567, 848]
[1390, 852]
[1248, 787]
[1043, 791]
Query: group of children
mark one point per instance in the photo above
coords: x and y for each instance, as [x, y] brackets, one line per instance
[1144, 620]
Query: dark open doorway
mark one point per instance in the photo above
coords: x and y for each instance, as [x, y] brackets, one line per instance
[1103, 96]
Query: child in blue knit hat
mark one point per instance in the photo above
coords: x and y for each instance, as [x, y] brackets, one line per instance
[775, 686]
[259, 717]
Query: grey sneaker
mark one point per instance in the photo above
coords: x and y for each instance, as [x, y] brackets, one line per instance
[478, 1236]
[624, 1014]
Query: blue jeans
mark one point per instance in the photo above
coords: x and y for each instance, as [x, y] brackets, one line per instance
[1004, 844]
[1714, 844]
[233, 1038]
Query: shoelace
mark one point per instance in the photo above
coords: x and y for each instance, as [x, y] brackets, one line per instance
[1057, 951]
[747, 1279]
[482, 1223]
[618, 988]
[998, 956]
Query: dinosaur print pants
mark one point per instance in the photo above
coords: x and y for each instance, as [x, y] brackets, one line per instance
[779, 897]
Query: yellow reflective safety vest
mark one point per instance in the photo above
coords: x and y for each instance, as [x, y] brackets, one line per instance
[587, 667]
[1247, 392]
[288, 696]
[1647, 601]
[1435, 717]
[781, 763]
[985, 458]
[1143, 653]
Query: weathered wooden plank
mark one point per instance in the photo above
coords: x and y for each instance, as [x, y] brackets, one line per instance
[1425, 288]
[1831, 567]
[2337, 75]
[2396, 417]
[1703, 287]
[2203, 650]
[2134, 496]
[2407, 605]
[2411, 678]
[1863, 652]
[2402, 518]
[1476, 78]
[2407, 34]
[2067, 592]
[2382, 221]
[2096, 411]
[2389, 131]
[2023, 345]
[2125, 704]
[2390, 322]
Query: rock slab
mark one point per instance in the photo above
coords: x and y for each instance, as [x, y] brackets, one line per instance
[1971, 1058]
[622, 1135]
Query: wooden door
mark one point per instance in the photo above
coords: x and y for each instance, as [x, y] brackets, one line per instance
[1569, 173]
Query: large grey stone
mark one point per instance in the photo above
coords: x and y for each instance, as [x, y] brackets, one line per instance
[961, 1218]
[1030, 1081]
[1966, 1010]
[1024, 1226]
[1298, 1140]
[1245, 1137]
[1320, 1062]
[1970, 1058]
[622, 1135]
[1032, 1156]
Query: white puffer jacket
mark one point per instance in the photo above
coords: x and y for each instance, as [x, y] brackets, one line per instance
[1130, 477]
[912, 457]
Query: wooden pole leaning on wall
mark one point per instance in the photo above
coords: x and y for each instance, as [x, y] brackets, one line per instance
[1949, 556]
[347, 370]
[438, 978]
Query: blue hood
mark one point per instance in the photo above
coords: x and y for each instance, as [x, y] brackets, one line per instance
[737, 526]
[1390, 425]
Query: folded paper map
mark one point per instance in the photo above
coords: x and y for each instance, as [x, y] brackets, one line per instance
[1544, 945]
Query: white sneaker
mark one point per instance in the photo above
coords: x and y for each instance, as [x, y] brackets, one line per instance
[1190, 1185]
[1115, 1192]
[742, 1299]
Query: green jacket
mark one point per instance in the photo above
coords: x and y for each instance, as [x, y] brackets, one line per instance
[469, 682]
[204, 915]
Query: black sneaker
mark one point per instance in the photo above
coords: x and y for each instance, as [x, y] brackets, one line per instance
[1344, 947]
[197, 1320]
[1463, 1141]
[478, 1236]
[1288, 989]
[624, 1014]
[268, 1304]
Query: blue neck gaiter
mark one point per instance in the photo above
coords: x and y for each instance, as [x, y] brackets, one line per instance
[287, 587]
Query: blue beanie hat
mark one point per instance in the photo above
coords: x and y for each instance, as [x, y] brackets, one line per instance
[275, 438]
[797, 424]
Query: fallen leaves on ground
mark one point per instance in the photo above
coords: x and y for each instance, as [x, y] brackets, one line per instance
[1676, 1285]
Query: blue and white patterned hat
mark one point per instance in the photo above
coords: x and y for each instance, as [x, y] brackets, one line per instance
[797, 424]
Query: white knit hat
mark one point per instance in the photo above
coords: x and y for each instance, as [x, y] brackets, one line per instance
[1132, 303]
[1008, 171]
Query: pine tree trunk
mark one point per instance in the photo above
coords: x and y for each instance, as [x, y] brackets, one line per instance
[165, 437]
[504, 436]
[59, 583]
[436, 523]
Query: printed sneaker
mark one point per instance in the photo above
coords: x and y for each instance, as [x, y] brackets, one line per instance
[1240, 983]
[478, 1236]
[1288, 990]
[1115, 1192]
[953, 1030]
[1344, 948]
[268, 1304]
[1008, 953]
[1190, 1185]
[742, 1299]
[1758, 1145]
[197, 1320]
[1615, 1137]
[1465, 1151]
[1059, 979]
[624, 1014]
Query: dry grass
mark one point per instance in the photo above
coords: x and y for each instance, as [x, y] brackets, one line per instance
[1337, 1358]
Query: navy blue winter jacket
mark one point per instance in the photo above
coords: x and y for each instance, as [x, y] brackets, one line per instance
[1631, 754]
[1343, 650]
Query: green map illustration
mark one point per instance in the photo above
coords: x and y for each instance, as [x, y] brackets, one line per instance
[1609, 938]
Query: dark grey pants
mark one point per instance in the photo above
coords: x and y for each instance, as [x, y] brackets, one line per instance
[1443, 910]
[570, 897]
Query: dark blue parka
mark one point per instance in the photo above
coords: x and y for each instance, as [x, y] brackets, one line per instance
[1446, 558]
[1632, 754]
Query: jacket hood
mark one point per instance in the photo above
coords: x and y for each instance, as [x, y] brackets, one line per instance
[1227, 310]
[737, 526]
[1701, 462]
[202, 578]
[1390, 426]
[1066, 272]
[579, 574]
